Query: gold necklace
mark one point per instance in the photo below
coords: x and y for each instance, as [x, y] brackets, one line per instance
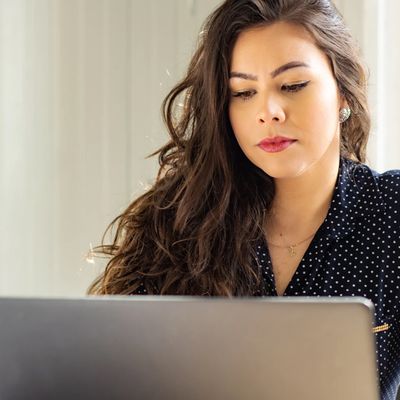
[291, 247]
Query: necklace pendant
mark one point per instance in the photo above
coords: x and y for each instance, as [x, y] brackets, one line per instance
[291, 251]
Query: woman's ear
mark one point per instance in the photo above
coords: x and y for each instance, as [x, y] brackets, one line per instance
[343, 102]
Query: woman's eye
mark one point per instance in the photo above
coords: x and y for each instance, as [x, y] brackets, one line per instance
[245, 95]
[295, 87]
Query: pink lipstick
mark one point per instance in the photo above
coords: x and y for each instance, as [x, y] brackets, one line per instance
[275, 144]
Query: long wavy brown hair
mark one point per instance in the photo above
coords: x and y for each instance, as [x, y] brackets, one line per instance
[194, 232]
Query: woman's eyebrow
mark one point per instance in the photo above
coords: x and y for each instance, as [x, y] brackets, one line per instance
[274, 73]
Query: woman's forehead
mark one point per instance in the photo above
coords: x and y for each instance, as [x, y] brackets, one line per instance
[273, 45]
[277, 30]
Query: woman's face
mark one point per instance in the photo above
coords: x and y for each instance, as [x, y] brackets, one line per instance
[284, 104]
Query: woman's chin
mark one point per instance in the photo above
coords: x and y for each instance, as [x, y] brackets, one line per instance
[286, 171]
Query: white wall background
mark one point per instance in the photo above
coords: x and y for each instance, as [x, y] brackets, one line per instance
[375, 25]
[81, 84]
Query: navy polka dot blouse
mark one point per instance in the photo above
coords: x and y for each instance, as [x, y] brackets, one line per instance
[355, 252]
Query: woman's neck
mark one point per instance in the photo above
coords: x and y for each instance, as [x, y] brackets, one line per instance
[300, 204]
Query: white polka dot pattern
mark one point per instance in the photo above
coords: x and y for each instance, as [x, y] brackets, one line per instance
[356, 252]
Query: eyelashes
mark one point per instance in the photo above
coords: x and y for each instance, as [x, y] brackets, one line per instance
[293, 88]
[245, 95]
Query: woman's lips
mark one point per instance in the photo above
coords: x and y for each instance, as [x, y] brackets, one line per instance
[275, 144]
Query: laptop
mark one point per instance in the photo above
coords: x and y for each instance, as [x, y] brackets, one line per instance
[173, 348]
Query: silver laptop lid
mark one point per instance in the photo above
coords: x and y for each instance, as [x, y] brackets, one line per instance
[187, 348]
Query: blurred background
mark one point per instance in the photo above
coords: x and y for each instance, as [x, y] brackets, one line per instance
[81, 86]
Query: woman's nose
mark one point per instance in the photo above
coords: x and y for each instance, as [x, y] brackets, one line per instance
[271, 112]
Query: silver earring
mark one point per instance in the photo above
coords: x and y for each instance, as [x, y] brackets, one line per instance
[344, 114]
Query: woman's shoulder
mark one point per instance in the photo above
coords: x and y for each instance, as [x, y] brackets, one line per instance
[384, 187]
[388, 183]
[360, 169]
[389, 188]
[389, 180]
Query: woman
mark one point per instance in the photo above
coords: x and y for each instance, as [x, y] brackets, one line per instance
[261, 189]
